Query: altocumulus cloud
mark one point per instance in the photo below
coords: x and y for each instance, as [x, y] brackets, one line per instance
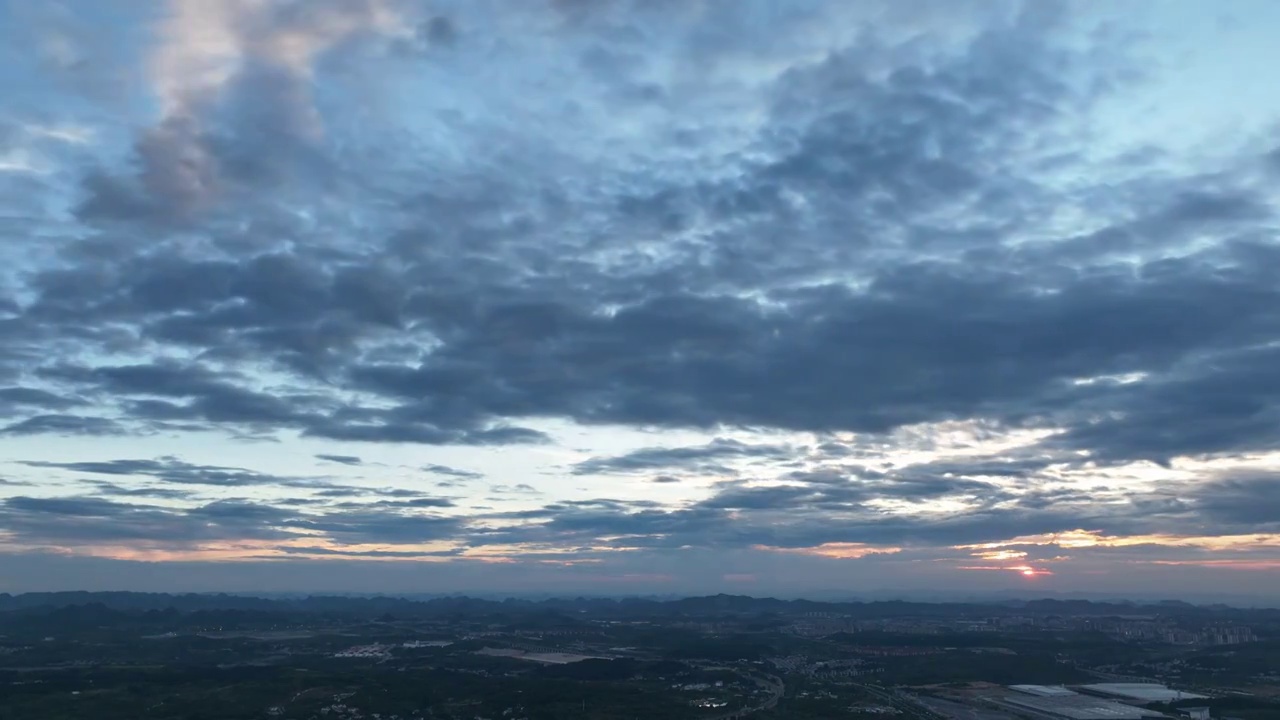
[831, 282]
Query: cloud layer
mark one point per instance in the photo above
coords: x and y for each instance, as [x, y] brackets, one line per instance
[882, 282]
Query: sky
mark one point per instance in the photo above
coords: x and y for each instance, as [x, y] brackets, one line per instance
[768, 297]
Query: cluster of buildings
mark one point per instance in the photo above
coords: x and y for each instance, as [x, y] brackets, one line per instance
[821, 627]
[1160, 630]
[840, 669]
[698, 686]
[824, 669]
[375, 651]
[789, 663]
[874, 709]
[419, 644]
[1228, 635]
[341, 711]
[1137, 627]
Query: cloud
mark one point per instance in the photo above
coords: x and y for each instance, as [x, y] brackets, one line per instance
[892, 275]
[1231, 393]
[452, 472]
[88, 520]
[63, 425]
[330, 490]
[705, 458]
[321, 551]
[82, 520]
[341, 459]
[234, 83]
[216, 399]
[662, 356]
[517, 489]
[110, 490]
[172, 471]
[175, 471]
[1239, 501]
[413, 502]
[378, 526]
[16, 397]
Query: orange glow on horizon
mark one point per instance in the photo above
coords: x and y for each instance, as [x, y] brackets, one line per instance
[1023, 570]
[1092, 538]
[839, 551]
[1000, 554]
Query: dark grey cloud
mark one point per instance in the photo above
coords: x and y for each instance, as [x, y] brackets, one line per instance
[114, 490]
[395, 431]
[64, 425]
[837, 491]
[13, 398]
[805, 378]
[341, 459]
[78, 520]
[178, 472]
[452, 472]
[172, 471]
[1240, 501]
[211, 396]
[1225, 402]
[703, 458]
[215, 399]
[926, 342]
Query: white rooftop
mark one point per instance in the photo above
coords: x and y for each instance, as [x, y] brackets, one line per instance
[1043, 690]
[1078, 707]
[1146, 692]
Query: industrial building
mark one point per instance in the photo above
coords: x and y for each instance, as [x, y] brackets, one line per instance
[1058, 703]
[1075, 707]
[1043, 690]
[1141, 693]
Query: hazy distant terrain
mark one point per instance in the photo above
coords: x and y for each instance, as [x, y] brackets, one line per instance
[130, 656]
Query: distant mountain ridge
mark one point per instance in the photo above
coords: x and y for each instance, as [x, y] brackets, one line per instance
[372, 606]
